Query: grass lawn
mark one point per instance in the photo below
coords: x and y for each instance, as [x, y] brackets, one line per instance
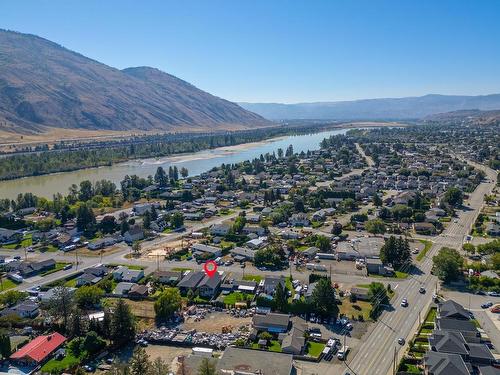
[314, 349]
[234, 297]
[71, 283]
[255, 278]
[168, 230]
[275, 346]
[428, 245]
[397, 275]
[55, 366]
[181, 269]
[366, 286]
[476, 323]
[350, 309]
[59, 266]
[227, 244]
[7, 284]
[129, 266]
[48, 248]
[431, 315]
[401, 275]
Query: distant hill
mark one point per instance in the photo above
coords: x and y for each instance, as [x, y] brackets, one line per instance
[375, 109]
[469, 117]
[45, 85]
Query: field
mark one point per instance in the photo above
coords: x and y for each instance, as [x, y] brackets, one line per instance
[314, 349]
[7, 284]
[213, 322]
[55, 366]
[350, 309]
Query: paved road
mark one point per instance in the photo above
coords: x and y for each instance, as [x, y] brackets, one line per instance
[376, 355]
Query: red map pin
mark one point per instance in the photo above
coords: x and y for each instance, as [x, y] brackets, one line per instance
[210, 268]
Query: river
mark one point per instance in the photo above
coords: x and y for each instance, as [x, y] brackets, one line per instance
[196, 163]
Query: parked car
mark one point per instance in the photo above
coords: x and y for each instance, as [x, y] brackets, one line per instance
[487, 305]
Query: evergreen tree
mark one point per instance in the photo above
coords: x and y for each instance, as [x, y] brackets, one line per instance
[122, 323]
[323, 299]
[280, 298]
[139, 363]
[5, 345]
[207, 367]
[161, 177]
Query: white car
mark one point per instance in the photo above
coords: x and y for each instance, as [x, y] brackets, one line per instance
[404, 302]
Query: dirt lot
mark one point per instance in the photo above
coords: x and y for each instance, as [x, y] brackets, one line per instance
[213, 322]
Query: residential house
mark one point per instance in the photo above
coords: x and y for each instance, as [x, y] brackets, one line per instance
[272, 322]
[271, 282]
[122, 273]
[123, 288]
[294, 341]
[201, 250]
[436, 363]
[136, 233]
[241, 254]
[138, 291]
[198, 281]
[24, 309]
[38, 350]
[220, 229]
[361, 294]
[8, 236]
[299, 220]
[167, 277]
[452, 309]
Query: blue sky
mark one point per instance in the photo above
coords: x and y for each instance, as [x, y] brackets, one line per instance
[284, 51]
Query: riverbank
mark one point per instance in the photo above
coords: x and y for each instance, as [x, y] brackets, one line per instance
[196, 162]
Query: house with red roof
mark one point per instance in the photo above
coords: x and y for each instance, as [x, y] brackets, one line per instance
[38, 350]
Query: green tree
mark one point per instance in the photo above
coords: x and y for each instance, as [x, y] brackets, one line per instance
[167, 304]
[469, 248]
[207, 367]
[5, 346]
[323, 244]
[184, 172]
[88, 296]
[11, 297]
[85, 219]
[447, 264]
[378, 296]
[147, 220]
[86, 192]
[453, 196]
[337, 229]
[161, 177]
[122, 323]
[375, 226]
[139, 363]
[323, 299]
[159, 366]
[61, 305]
[377, 201]
[177, 220]
[238, 224]
[280, 298]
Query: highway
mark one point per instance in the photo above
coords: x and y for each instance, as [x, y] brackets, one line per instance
[380, 349]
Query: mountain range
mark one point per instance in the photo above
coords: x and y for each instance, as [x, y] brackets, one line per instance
[44, 85]
[375, 109]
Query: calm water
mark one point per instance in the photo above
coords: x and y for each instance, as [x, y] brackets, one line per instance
[196, 163]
